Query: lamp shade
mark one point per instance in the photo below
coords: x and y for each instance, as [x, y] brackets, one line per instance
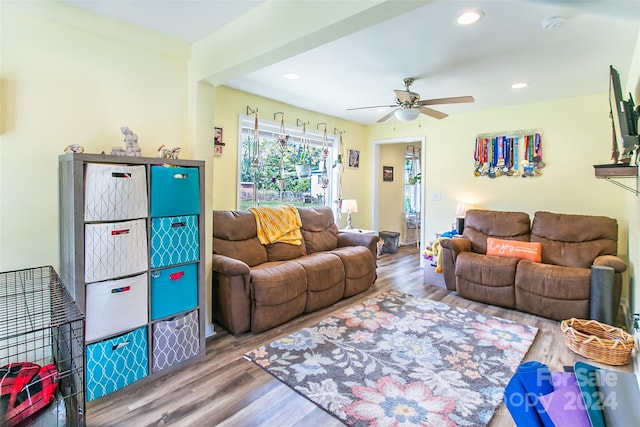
[349, 206]
[407, 114]
[461, 210]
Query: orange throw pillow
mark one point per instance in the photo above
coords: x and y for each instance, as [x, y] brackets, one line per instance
[531, 251]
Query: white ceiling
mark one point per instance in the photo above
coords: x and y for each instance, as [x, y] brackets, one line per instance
[507, 46]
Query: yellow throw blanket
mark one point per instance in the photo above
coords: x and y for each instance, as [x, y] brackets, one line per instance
[278, 224]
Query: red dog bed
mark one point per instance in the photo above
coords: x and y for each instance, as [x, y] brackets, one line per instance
[25, 388]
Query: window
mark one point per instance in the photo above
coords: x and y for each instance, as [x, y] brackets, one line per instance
[276, 179]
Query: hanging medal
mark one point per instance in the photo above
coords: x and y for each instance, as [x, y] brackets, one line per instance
[476, 157]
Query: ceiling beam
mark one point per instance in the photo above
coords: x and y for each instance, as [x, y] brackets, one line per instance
[276, 30]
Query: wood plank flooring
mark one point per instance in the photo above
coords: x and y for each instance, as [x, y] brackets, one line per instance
[223, 389]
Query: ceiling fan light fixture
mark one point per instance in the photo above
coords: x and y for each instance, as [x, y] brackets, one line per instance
[553, 22]
[406, 114]
[469, 17]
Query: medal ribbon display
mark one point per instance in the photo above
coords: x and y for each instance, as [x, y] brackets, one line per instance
[497, 154]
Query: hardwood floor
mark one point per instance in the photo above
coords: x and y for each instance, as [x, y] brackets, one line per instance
[224, 389]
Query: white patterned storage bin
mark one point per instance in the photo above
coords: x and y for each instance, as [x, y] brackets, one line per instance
[174, 240]
[115, 249]
[115, 192]
[115, 306]
[115, 363]
[175, 340]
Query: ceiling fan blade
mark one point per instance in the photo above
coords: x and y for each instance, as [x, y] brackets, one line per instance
[433, 113]
[403, 95]
[387, 116]
[374, 106]
[450, 100]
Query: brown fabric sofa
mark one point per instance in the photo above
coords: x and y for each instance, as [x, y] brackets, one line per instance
[257, 287]
[578, 252]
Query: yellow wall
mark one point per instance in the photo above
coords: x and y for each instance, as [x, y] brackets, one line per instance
[60, 86]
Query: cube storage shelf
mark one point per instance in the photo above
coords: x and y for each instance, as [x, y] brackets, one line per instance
[40, 323]
[131, 244]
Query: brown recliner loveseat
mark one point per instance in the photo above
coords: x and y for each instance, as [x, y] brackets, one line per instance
[257, 287]
[579, 274]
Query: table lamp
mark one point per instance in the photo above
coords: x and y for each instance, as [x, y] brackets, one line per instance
[461, 212]
[349, 206]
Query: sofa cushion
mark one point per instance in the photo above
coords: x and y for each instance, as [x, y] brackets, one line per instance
[487, 279]
[319, 230]
[248, 251]
[574, 240]
[279, 293]
[285, 251]
[553, 291]
[359, 268]
[512, 248]
[481, 224]
[234, 235]
[325, 279]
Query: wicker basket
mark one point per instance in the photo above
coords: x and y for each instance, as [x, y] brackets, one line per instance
[598, 341]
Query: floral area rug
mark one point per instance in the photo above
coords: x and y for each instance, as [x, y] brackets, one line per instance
[398, 360]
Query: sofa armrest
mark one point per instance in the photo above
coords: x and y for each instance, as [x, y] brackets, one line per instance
[451, 248]
[369, 241]
[456, 245]
[611, 261]
[229, 266]
[231, 293]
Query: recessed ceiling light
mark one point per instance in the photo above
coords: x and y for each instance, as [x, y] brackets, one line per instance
[291, 76]
[470, 17]
[520, 85]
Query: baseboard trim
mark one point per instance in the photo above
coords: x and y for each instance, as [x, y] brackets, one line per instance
[209, 330]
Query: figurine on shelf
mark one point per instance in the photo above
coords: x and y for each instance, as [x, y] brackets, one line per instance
[168, 153]
[131, 147]
[74, 148]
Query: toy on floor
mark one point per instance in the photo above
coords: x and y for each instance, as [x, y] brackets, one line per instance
[434, 252]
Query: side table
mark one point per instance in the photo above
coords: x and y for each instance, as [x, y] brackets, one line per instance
[358, 231]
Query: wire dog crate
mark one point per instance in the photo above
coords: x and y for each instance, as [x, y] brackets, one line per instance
[40, 323]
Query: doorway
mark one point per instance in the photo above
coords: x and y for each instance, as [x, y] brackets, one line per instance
[389, 201]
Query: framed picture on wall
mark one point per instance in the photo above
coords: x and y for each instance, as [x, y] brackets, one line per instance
[387, 173]
[354, 158]
[217, 136]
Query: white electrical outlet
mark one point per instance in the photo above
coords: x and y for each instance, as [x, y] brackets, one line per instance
[436, 197]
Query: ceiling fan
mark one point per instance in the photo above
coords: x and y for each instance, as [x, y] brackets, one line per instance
[408, 104]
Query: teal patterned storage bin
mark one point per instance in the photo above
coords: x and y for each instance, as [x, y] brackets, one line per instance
[174, 191]
[173, 290]
[115, 363]
[174, 240]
